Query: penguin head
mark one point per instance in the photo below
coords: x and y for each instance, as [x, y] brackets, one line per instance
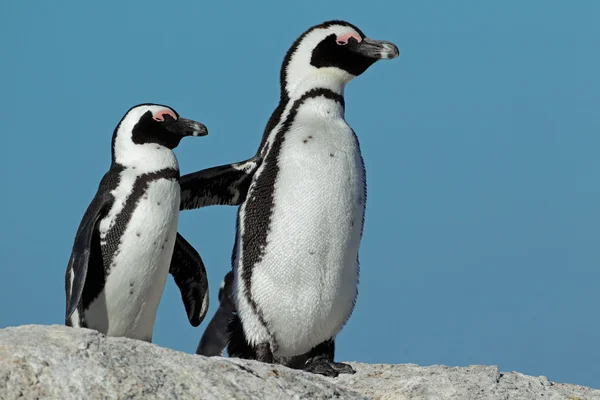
[336, 50]
[151, 127]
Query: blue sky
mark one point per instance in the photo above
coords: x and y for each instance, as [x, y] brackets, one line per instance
[481, 144]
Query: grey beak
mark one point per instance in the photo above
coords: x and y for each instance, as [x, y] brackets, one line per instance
[379, 49]
[187, 127]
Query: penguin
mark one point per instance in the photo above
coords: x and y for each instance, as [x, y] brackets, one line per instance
[127, 242]
[301, 208]
[215, 338]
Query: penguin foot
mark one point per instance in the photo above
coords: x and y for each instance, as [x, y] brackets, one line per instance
[343, 368]
[328, 368]
[264, 353]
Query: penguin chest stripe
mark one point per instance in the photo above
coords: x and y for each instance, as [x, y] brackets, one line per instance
[121, 221]
[258, 208]
[144, 236]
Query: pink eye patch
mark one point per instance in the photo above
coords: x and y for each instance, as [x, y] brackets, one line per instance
[341, 40]
[160, 115]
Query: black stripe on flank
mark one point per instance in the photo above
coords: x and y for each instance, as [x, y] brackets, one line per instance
[259, 204]
[141, 184]
[95, 277]
[362, 200]
[273, 121]
[102, 256]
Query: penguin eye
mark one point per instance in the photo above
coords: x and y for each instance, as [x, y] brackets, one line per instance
[345, 39]
[163, 115]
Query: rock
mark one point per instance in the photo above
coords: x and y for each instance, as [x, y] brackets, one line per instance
[56, 362]
[409, 381]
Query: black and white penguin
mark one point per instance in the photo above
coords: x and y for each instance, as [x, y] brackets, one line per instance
[302, 200]
[127, 242]
[215, 337]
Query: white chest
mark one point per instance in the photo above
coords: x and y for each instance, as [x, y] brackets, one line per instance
[306, 283]
[132, 292]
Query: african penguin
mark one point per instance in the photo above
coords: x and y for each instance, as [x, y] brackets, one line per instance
[215, 338]
[302, 200]
[127, 241]
[216, 335]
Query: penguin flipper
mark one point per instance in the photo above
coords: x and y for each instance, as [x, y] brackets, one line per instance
[215, 337]
[80, 256]
[223, 185]
[189, 273]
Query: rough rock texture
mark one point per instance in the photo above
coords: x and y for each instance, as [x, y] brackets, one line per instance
[409, 381]
[56, 362]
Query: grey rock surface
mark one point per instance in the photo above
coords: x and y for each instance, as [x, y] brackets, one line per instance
[409, 381]
[56, 362]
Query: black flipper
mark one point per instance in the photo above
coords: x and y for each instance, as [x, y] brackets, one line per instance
[189, 273]
[223, 185]
[215, 337]
[80, 256]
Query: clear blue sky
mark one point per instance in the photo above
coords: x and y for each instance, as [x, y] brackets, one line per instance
[481, 142]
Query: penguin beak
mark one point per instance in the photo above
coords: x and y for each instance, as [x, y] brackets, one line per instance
[379, 49]
[186, 127]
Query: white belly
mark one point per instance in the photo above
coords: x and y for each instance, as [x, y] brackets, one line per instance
[134, 287]
[306, 283]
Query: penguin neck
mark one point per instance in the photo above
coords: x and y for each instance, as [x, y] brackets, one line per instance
[145, 158]
[293, 89]
[325, 78]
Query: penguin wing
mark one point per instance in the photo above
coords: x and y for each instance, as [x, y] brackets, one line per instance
[215, 337]
[189, 273]
[80, 256]
[222, 185]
